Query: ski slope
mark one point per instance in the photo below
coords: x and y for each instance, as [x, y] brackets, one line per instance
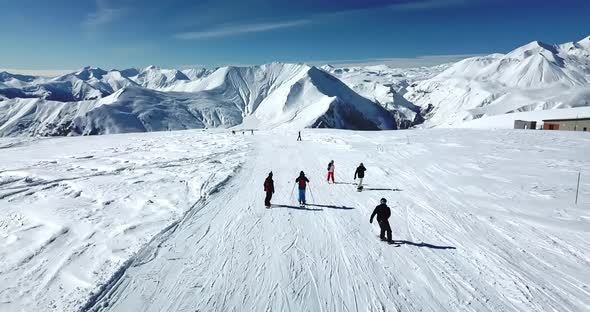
[485, 218]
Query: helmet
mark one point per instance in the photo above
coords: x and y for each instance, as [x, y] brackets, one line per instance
[270, 173]
[383, 200]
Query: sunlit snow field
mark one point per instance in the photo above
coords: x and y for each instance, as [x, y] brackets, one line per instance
[175, 221]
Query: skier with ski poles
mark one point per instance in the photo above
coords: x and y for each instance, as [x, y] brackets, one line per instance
[383, 213]
[269, 188]
[360, 173]
[331, 171]
[299, 136]
[302, 181]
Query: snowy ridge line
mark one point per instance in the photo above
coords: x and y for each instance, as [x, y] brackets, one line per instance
[151, 248]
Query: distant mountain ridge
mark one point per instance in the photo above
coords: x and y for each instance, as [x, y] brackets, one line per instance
[535, 76]
[95, 101]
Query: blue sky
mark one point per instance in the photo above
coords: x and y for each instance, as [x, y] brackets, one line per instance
[60, 34]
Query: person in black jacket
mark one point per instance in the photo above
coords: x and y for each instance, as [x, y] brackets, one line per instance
[360, 173]
[383, 213]
[269, 188]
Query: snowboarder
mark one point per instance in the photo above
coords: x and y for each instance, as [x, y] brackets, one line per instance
[331, 171]
[299, 136]
[360, 173]
[302, 182]
[269, 188]
[383, 213]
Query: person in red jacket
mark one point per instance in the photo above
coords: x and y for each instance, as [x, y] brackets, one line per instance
[269, 188]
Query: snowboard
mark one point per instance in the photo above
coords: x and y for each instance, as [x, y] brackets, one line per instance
[392, 243]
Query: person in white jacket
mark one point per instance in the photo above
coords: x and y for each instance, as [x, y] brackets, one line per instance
[331, 171]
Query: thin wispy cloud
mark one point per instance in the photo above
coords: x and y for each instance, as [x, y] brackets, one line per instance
[234, 30]
[37, 72]
[105, 14]
[399, 62]
[427, 4]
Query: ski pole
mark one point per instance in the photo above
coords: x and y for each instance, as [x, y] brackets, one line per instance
[311, 193]
[293, 190]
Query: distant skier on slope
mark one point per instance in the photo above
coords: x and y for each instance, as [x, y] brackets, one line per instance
[299, 136]
[383, 213]
[269, 188]
[360, 173]
[331, 171]
[302, 182]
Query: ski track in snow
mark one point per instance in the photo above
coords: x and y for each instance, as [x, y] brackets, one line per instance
[485, 222]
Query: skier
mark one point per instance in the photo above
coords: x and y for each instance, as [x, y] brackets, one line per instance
[331, 171]
[383, 213]
[269, 188]
[360, 173]
[302, 182]
[299, 136]
[252, 132]
[233, 132]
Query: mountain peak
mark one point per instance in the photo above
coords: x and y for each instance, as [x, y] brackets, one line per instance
[531, 48]
[90, 72]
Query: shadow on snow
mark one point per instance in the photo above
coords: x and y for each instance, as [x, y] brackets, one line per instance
[381, 189]
[371, 188]
[351, 183]
[296, 207]
[331, 206]
[405, 242]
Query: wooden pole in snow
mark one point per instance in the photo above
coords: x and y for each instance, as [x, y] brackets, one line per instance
[578, 187]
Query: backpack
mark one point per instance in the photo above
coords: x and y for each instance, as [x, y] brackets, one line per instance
[267, 185]
[329, 166]
[301, 183]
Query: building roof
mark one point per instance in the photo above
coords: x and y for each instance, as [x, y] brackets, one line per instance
[568, 119]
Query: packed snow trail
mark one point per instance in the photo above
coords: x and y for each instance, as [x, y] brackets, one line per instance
[485, 219]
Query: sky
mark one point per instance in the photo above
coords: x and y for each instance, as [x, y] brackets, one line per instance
[48, 36]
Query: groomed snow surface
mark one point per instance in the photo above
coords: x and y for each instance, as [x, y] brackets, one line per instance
[175, 221]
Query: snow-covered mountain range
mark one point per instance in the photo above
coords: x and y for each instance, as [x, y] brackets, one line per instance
[94, 101]
[536, 76]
